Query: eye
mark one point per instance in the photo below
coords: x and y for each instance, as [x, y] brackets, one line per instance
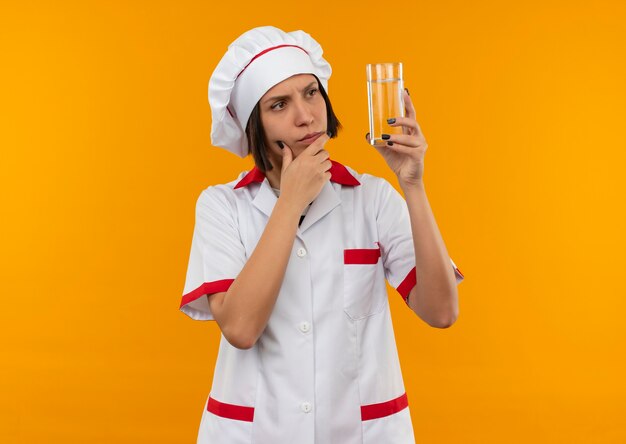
[312, 90]
[276, 105]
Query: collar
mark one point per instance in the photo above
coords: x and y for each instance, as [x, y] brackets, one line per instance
[338, 174]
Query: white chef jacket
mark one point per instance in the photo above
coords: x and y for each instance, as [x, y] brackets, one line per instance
[326, 369]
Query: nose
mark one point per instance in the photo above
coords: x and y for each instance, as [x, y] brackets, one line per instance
[304, 114]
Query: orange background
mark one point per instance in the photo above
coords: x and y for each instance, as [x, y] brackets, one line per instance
[105, 147]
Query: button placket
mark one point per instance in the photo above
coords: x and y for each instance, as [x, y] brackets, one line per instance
[304, 325]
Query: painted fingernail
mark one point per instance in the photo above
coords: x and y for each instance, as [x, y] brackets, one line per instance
[390, 121]
[367, 136]
[385, 136]
[407, 91]
[390, 143]
[280, 144]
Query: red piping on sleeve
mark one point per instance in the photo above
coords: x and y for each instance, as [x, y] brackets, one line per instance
[407, 284]
[207, 288]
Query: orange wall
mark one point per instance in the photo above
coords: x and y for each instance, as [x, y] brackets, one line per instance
[104, 140]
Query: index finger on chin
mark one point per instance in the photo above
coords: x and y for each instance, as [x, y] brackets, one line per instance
[317, 145]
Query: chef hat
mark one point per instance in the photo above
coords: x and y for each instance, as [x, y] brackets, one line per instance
[259, 59]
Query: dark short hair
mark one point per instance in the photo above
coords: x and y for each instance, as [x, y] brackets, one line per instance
[256, 134]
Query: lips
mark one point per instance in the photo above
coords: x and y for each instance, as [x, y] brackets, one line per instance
[310, 137]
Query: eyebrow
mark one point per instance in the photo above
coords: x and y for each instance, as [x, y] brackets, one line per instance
[271, 99]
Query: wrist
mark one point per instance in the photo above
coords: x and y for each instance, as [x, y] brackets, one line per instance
[288, 207]
[412, 185]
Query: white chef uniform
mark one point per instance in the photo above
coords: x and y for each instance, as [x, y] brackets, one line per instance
[326, 369]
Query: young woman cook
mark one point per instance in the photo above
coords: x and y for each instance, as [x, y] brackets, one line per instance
[308, 352]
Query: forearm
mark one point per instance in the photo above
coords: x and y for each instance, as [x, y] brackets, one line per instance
[250, 299]
[435, 297]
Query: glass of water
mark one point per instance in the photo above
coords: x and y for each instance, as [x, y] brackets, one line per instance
[384, 99]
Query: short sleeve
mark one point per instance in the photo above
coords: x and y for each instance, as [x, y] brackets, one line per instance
[396, 240]
[217, 253]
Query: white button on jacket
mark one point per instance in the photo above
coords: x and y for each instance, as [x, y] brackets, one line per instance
[305, 327]
[356, 235]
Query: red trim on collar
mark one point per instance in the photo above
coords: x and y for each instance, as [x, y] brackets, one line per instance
[338, 174]
[255, 175]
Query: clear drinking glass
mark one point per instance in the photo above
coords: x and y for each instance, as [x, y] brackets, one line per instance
[384, 99]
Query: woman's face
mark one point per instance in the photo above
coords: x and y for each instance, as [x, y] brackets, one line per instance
[290, 111]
